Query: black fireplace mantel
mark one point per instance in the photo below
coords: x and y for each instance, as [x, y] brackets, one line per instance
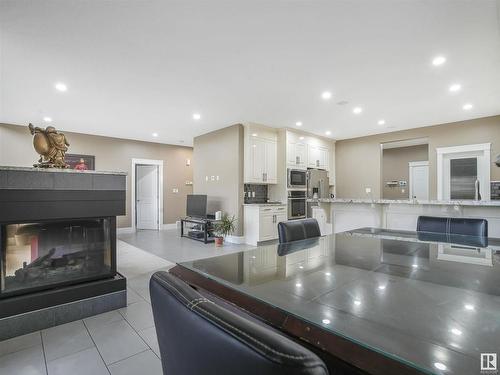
[48, 194]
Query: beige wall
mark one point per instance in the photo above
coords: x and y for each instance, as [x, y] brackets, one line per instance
[115, 155]
[395, 167]
[358, 160]
[220, 153]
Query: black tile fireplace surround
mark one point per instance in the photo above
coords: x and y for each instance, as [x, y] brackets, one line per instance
[58, 246]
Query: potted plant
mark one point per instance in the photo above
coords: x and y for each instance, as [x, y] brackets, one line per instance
[224, 228]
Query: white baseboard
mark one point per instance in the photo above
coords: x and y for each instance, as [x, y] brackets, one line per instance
[125, 230]
[235, 239]
[171, 225]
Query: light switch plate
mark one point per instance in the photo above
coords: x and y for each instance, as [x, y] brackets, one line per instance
[368, 190]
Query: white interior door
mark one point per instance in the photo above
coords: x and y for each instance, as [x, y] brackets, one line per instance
[147, 199]
[419, 180]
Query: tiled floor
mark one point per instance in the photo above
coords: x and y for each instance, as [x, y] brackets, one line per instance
[168, 245]
[121, 342]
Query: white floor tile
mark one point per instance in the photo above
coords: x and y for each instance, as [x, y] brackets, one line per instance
[19, 343]
[86, 362]
[133, 297]
[149, 335]
[117, 341]
[98, 321]
[24, 362]
[65, 339]
[143, 363]
[139, 315]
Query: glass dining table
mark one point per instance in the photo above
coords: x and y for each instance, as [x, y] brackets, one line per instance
[381, 300]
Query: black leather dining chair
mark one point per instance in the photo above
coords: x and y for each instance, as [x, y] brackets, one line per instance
[198, 336]
[453, 225]
[295, 230]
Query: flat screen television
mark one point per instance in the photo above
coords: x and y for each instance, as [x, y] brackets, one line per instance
[196, 205]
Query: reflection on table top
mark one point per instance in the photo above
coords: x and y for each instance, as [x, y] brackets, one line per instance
[428, 301]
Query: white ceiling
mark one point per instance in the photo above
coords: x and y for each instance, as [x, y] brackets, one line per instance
[138, 67]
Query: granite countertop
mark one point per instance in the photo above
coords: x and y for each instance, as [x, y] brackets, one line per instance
[493, 203]
[264, 204]
[56, 170]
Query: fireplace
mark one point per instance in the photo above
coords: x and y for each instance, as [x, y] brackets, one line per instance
[48, 254]
[58, 247]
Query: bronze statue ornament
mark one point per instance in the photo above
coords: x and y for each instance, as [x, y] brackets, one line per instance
[51, 145]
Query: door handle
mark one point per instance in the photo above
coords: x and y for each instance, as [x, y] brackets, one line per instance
[317, 163]
[297, 160]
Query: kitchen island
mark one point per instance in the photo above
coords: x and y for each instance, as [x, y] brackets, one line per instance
[348, 214]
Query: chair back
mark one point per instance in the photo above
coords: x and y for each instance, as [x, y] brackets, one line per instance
[197, 336]
[296, 230]
[453, 225]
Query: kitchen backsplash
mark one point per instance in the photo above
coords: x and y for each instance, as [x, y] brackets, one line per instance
[495, 190]
[255, 193]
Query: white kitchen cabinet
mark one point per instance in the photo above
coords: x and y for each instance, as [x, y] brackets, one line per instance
[318, 157]
[296, 154]
[261, 222]
[256, 167]
[266, 226]
[271, 164]
[260, 152]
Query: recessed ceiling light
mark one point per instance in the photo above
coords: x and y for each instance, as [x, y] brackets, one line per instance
[357, 110]
[381, 287]
[301, 138]
[381, 122]
[326, 321]
[298, 123]
[455, 87]
[155, 135]
[328, 132]
[301, 267]
[327, 273]
[298, 285]
[254, 134]
[438, 60]
[47, 119]
[61, 86]
[469, 307]
[414, 265]
[440, 366]
[196, 116]
[467, 107]
[327, 95]
[456, 331]
[357, 302]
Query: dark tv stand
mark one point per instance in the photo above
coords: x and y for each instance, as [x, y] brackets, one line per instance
[198, 229]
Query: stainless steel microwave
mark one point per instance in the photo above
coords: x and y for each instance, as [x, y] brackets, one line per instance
[297, 178]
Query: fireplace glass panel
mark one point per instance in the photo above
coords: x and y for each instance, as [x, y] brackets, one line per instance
[47, 254]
